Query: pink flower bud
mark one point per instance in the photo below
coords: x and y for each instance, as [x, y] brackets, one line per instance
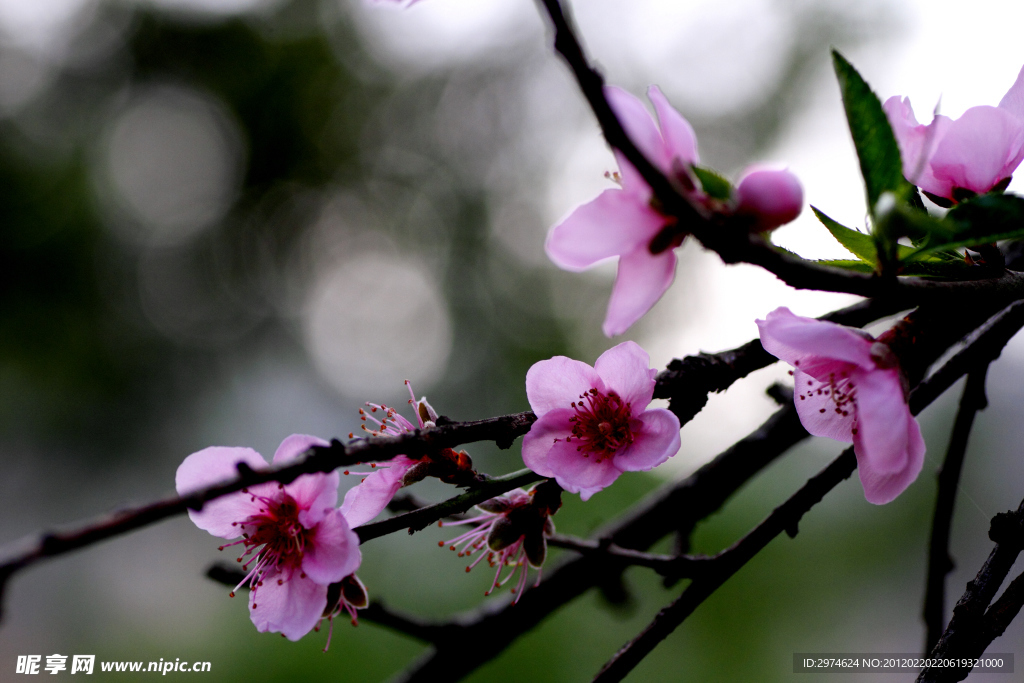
[773, 197]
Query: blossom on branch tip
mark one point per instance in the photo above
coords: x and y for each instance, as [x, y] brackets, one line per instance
[593, 423]
[366, 500]
[849, 387]
[951, 159]
[294, 543]
[511, 532]
[627, 221]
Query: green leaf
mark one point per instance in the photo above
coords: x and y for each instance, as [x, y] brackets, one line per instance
[848, 264]
[879, 155]
[983, 219]
[857, 243]
[713, 183]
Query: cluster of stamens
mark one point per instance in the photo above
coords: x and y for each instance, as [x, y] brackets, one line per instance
[272, 538]
[840, 390]
[601, 425]
[511, 557]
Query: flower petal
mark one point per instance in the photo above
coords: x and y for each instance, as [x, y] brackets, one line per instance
[613, 223]
[883, 488]
[882, 440]
[334, 552]
[640, 281]
[626, 370]
[555, 383]
[578, 474]
[980, 148]
[1013, 100]
[818, 411]
[815, 346]
[286, 603]
[366, 500]
[655, 442]
[552, 427]
[680, 140]
[216, 465]
[643, 131]
[315, 494]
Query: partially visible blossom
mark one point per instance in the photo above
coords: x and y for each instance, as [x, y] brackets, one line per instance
[627, 222]
[293, 542]
[510, 533]
[593, 423]
[849, 387]
[347, 595]
[951, 159]
[366, 500]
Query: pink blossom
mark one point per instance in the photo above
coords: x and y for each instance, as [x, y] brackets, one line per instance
[510, 533]
[366, 500]
[592, 421]
[849, 388]
[627, 223]
[294, 542]
[977, 152]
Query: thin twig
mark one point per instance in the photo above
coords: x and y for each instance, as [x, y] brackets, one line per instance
[939, 561]
[966, 635]
[675, 566]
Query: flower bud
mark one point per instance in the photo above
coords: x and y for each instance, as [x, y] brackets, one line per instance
[772, 197]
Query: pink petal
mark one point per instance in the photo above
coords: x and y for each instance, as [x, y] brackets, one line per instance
[815, 346]
[366, 500]
[626, 370]
[334, 553]
[817, 412]
[315, 494]
[640, 281]
[578, 474]
[911, 136]
[614, 223]
[292, 607]
[882, 440]
[553, 427]
[555, 383]
[882, 488]
[655, 442]
[980, 148]
[773, 197]
[1013, 100]
[217, 465]
[642, 130]
[680, 140]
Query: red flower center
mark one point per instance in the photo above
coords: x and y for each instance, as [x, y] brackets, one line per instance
[602, 425]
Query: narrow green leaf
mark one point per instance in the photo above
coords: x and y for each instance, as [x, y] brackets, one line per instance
[857, 243]
[713, 183]
[848, 264]
[879, 155]
[983, 219]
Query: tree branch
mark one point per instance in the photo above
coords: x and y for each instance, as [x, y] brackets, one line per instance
[939, 561]
[735, 243]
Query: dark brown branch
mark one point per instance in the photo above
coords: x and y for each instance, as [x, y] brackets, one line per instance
[734, 243]
[984, 347]
[966, 636]
[419, 519]
[939, 561]
[675, 566]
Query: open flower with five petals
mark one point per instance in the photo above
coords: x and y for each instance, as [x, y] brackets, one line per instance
[293, 542]
[593, 422]
[849, 387]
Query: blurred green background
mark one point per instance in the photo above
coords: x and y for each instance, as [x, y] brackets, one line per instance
[225, 224]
